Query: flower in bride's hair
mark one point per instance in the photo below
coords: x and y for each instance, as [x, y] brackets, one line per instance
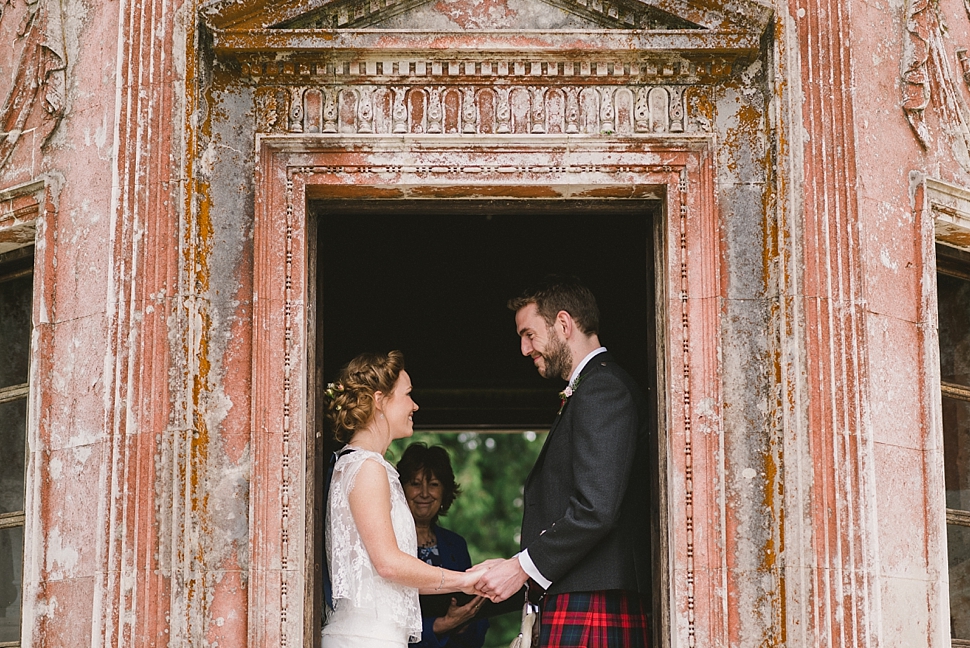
[332, 389]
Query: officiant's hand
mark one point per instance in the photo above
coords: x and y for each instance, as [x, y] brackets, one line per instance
[457, 615]
[502, 579]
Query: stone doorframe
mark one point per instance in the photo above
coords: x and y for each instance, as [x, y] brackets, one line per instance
[293, 169]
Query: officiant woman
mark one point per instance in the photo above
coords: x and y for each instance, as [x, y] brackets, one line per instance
[430, 488]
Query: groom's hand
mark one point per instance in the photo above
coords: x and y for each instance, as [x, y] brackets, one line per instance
[502, 579]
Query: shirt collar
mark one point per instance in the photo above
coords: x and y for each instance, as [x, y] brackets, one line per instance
[584, 362]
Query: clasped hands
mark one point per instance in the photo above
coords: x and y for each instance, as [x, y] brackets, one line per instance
[498, 578]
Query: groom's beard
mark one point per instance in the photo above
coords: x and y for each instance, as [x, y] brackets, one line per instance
[559, 362]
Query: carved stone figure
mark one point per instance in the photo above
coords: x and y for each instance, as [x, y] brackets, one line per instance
[34, 97]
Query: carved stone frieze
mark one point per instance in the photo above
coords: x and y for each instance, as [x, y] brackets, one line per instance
[602, 94]
[475, 110]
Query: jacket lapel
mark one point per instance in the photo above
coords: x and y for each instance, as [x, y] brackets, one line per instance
[545, 446]
[598, 358]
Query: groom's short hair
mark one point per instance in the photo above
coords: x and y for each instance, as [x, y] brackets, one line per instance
[561, 293]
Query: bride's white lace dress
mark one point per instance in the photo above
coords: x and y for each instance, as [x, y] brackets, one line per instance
[369, 610]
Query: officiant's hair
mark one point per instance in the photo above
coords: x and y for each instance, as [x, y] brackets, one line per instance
[561, 293]
[350, 403]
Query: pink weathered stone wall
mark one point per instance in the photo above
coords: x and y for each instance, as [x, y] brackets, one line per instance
[133, 135]
[864, 524]
[136, 503]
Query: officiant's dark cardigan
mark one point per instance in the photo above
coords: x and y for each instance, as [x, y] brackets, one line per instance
[586, 520]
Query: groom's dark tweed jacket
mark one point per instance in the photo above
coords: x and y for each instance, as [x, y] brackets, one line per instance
[586, 520]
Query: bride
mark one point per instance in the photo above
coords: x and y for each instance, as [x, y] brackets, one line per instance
[371, 542]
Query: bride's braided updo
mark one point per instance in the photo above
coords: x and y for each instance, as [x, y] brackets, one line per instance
[350, 400]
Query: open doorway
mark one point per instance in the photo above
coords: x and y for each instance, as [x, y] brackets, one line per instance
[432, 278]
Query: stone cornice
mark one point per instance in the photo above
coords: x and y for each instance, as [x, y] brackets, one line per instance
[484, 43]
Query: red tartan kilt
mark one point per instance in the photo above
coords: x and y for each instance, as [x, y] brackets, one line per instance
[599, 619]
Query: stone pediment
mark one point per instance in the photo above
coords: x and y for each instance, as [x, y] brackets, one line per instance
[737, 16]
[465, 68]
[505, 14]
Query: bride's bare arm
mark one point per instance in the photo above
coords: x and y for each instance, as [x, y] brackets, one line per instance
[370, 504]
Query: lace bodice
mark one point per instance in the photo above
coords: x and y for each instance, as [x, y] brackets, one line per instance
[355, 581]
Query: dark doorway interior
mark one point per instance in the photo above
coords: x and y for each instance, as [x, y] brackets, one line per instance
[432, 278]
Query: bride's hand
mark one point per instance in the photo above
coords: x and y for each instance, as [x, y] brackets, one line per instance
[470, 580]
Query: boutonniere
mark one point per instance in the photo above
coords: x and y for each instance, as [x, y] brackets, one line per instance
[567, 392]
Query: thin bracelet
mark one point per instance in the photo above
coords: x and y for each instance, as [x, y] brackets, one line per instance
[442, 583]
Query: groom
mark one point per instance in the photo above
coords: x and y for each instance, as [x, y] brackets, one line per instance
[585, 530]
